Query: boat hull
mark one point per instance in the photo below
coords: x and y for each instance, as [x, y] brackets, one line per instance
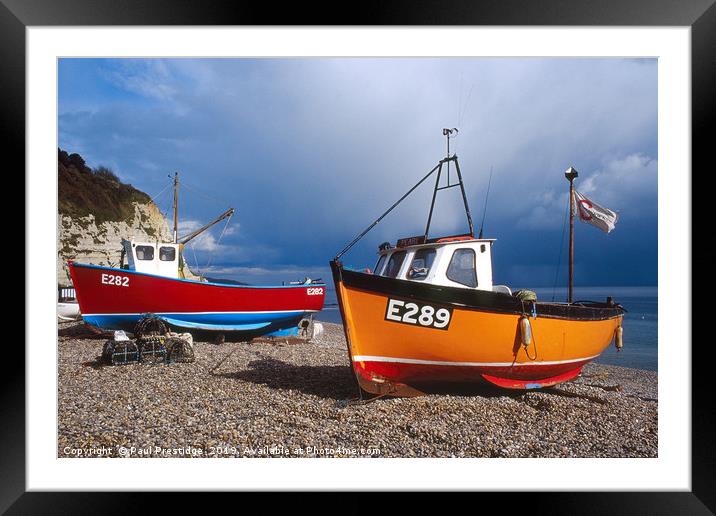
[478, 337]
[112, 298]
[67, 311]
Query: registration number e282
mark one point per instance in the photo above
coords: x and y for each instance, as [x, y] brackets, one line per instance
[418, 314]
[115, 279]
[314, 291]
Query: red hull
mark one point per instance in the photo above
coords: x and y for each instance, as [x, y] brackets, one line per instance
[113, 297]
[516, 377]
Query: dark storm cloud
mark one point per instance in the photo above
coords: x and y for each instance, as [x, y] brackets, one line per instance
[310, 151]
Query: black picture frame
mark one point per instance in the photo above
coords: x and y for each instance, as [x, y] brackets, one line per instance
[700, 15]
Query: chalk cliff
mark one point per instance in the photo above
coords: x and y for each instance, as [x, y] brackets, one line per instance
[85, 240]
[97, 210]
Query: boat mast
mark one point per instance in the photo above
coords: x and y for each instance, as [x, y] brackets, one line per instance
[448, 134]
[571, 174]
[439, 169]
[183, 240]
[176, 206]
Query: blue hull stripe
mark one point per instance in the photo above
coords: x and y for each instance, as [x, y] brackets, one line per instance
[210, 326]
[241, 321]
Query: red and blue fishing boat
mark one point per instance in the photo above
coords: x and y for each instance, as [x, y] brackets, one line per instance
[150, 280]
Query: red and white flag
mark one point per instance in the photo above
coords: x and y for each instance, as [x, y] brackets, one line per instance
[591, 213]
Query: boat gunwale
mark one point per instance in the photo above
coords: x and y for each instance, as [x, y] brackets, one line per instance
[444, 295]
[184, 280]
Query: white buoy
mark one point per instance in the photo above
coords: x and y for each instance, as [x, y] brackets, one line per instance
[525, 331]
[618, 336]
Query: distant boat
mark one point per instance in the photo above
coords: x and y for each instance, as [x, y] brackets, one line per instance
[429, 313]
[149, 280]
[68, 311]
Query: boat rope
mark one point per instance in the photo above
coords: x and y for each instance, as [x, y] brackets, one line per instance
[221, 362]
[560, 392]
[559, 257]
[203, 193]
[158, 203]
[196, 261]
[211, 256]
[534, 343]
[161, 192]
[356, 239]
[484, 211]
[360, 401]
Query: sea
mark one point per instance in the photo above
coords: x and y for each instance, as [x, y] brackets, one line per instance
[641, 323]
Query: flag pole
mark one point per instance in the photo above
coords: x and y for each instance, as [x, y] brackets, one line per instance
[571, 174]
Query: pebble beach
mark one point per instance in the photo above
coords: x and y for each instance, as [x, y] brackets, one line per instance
[278, 398]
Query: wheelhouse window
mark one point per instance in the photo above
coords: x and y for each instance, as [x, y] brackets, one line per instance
[462, 268]
[379, 265]
[421, 264]
[144, 252]
[394, 264]
[167, 254]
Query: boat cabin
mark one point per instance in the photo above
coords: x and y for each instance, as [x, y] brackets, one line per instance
[158, 258]
[461, 261]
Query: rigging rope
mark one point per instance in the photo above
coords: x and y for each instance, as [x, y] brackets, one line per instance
[198, 269]
[461, 110]
[559, 258]
[161, 192]
[211, 256]
[203, 193]
[365, 231]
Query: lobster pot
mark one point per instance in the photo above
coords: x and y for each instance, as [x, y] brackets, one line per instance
[150, 325]
[150, 332]
[183, 336]
[120, 352]
[180, 347]
[152, 349]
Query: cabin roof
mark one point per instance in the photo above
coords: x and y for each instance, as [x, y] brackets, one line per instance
[407, 243]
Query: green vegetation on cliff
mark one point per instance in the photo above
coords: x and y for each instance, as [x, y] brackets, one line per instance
[83, 191]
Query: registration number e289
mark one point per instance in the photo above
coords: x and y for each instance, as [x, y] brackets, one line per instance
[418, 314]
[115, 279]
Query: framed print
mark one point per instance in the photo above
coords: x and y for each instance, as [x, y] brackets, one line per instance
[201, 247]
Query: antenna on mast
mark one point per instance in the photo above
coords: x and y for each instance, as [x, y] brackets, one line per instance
[437, 168]
[448, 133]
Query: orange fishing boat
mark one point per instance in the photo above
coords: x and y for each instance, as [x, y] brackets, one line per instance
[429, 312]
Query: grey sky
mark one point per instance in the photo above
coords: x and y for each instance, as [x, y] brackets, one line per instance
[310, 151]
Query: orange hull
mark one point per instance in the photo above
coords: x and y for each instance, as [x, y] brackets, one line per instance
[463, 342]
